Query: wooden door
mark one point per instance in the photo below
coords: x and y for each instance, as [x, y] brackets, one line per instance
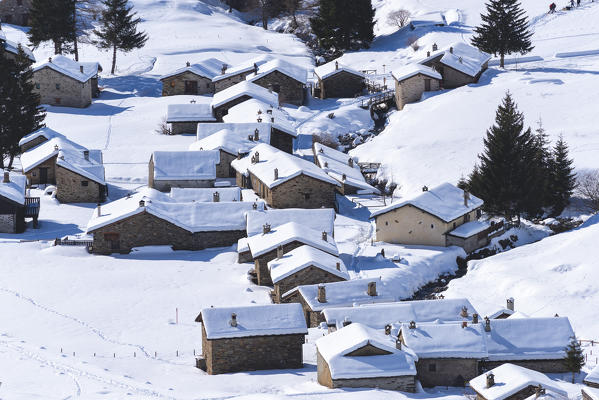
[191, 87]
[43, 176]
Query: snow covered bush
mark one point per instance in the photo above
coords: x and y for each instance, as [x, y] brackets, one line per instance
[326, 139]
[163, 128]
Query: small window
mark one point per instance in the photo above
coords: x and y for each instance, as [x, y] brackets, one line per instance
[172, 83]
[466, 218]
[432, 226]
[432, 368]
[454, 225]
[306, 196]
[386, 222]
[84, 183]
[34, 173]
[58, 86]
[37, 85]
[57, 100]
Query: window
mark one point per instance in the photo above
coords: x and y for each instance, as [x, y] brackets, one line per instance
[37, 85]
[114, 240]
[432, 367]
[58, 86]
[427, 85]
[432, 226]
[276, 88]
[386, 222]
[306, 196]
[84, 183]
[57, 100]
[466, 218]
[478, 213]
[172, 83]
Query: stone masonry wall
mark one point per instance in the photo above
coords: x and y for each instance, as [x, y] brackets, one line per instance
[303, 192]
[544, 366]
[290, 91]
[410, 90]
[33, 176]
[223, 168]
[342, 85]
[281, 141]
[446, 371]
[261, 262]
[8, 223]
[178, 128]
[68, 93]
[220, 111]
[175, 85]
[223, 84]
[166, 185]
[70, 189]
[308, 276]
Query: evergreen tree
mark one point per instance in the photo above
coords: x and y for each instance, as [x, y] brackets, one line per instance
[503, 178]
[53, 20]
[504, 30]
[7, 88]
[574, 360]
[562, 177]
[539, 168]
[118, 30]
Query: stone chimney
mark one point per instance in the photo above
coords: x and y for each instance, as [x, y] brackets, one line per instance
[346, 322]
[269, 111]
[460, 60]
[255, 68]
[475, 318]
[254, 206]
[539, 391]
[398, 344]
[326, 164]
[372, 289]
[324, 236]
[387, 329]
[383, 252]
[142, 203]
[270, 88]
[510, 304]
[336, 65]
[435, 47]
[350, 162]
[338, 266]
[6, 177]
[215, 197]
[223, 69]
[322, 294]
[49, 59]
[412, 324]
[464, 324]
[428, 53]
[466, 198]
[425, 188]
[233, 321]
[259, 119]
[257, 156]
[256, 134]
[321, 150]
[279, 252]
[99, 208]
[81, 68]
[343, 177]
[55, 147]
[276, 173]
[464, 312]
[451, 50]
[487, 324]
[86, 154]
[272, 119]
[265, 228]
[187, 64]
[490, 379]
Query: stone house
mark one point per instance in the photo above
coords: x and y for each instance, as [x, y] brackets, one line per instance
[184, 118]
[182, 169]
[64, 82]
[592, 378]
[232, 75]
[15, 206]
[304, 265]
[193, 79]
[15, 12]
[249, 338]
[283, 78]
[460, 64]
[273, 243]
[343, 168]
[77, 173]
[358, 356]
[315, 298]
[10, 49]
[511, 382]
[429, 218]
[236, 94]
[412, 80]
[152, 218]
[338, 81]
[284, 180]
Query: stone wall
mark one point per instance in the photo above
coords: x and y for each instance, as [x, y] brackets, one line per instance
[15, 12]
[252, 353]
[544, 366]
[410, 90]
[468, 244]
[12, 216]
[175, 85]
[33, 176]
[223, 168]
[57, 89]
[225, 83]
[453, 78]
[289, 90]
[300, 192]
[178, 128]
[307, 276]
[29, 145]
[341, 85]
[261, 262]
[74, 188]
[220, 111]
[586, 395]
[281, 141]
[446, 371]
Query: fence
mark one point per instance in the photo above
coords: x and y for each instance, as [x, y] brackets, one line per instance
[71, 242]
[380, 98]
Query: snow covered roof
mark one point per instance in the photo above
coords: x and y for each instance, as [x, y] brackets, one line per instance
[205, 194]
[345, 293]
[462, 57]
[262, 320]
[287, 165]
[445, 340]
[185, 165]
[241, 68]
[336, 164]
[334, 67]
[13, 47]
[15, 189]
[319, 219]
[509, 380]
[71, 68]
[410, 70]
[235, 139]
[191, 216]
[45, 132]
[593, 376]
[252, 109]
[470, 229]
[189, 113]
[380, 315]
[528, 338]
[291, 70]
[244, 89]
[445, 201]
[501, 312]
[208, 68]
[302, 257]
[262, 243]
[592, 392]
[70, 155]
[336, 348]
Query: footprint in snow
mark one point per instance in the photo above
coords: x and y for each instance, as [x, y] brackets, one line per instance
[148, 383]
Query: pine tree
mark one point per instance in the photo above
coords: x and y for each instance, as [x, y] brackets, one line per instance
[562, 177]
[574, 360]
[503, 178]
[539, 157]
[53, 20]
[118, 29]
[504, 30]
[7, 88]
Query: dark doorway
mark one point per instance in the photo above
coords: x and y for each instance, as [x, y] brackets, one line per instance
[191, 87]
[43, 176]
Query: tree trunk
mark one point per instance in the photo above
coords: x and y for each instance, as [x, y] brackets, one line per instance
[501, 60]
[113, 59]
[75, 35]
[12, 158]
[76, 49]
[264, 20]
[573, 378]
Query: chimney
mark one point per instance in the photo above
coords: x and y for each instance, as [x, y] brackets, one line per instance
[99, 208]
[55, 147]
[372, 289]
[322, 294]
[321, 150]
[272, 119]
[187, 64]
[338, 266]
[451, 50]
[215, 197]
[279, 252]
[257, 155]
[255, 68]
[487, 324]
[336, 65]
[346, 322]
[81, 68]
[387, 329]
[539, 391]
[233, 321]
[383, 252]
[475, 318]
[412, 324]
[250, 138]
[343, 177]
[142, 203]
[256, 134]
[223, 69]
[49, 59]
[254, 206]
[192, 101]
[510, 303]
[269, 111]
[259, 119]
[435, 47]
[326, 164]
[464, 324]
[490, 379]
[265, 228]
[425, 188]
[276, 174]
[350, 162]
[398, 344]
[428, 53]
[464, 313]
[324, 236]
[466, 198]
[461, 60]
[86, 154]
[6, 177]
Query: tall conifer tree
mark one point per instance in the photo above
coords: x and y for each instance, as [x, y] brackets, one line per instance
[562, 177]
[53, 20]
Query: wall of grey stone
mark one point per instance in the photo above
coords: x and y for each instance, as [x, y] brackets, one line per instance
[175, 85]
[342, 84]
[410, 90]
[290, 90]
[220, 111]
[223, 84]
[166, 185]
[447, 371]
[303, 192]
[178, 128]
[8, 223]
[33, 176]
[223, 168]
[281, 141]
[261, 262]
[308, 276]
[68, 93]
[70, 189]
[544, 366]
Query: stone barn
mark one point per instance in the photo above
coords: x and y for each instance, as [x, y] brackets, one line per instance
[236, 94]
[460, 64]
[182, 169]
[283, 78]
[337, 81]
[412, 80]
[305, 265]
[284, 180]
[249, 338]
[184, 118]
[192, 79]
[361, 357]
[232, 75]
[12, 202]
[15, 12]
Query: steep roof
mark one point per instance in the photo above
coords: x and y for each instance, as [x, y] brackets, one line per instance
[445, 340]
[336, 164]
[189, 113]
[336, 348]
[191, 216]
[379, 315]
[470, 229]
[185, 165]
[253, 109]
[291, 70]
[461, 57]
[263, 320]
[287, 165]
[445, 201]
[71, 68]
[303, 257]
[235, 139]
[262, 243]
[329, 69]
[15, 189]
[318, 219]
[208, 68]
[205, 194]
[42, 132]
[241, 68]
[593, 376]
[410, 70]
[13, 47]
[510, 379]
[244, 89]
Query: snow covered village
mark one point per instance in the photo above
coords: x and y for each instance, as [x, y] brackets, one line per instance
[299, 199]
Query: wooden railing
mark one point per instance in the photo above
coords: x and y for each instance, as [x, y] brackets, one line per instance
[493, 228]
[378, 99]
[71, 242]
[32, 207]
